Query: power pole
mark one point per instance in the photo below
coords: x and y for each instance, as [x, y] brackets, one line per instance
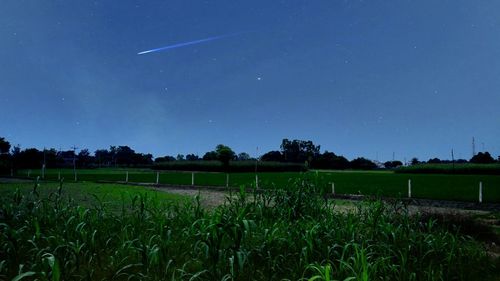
[473, 147]
[74, 159]
[256, 159]
[452, 160]
[44, 163]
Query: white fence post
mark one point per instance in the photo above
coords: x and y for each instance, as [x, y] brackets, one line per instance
[192, 178]
[157, 177]
[76, 177]
[257, 181]
[480, 192]
[333, 188]
[43, 171]
[29, 172]
[59, 175]
[126, 176]
[409, 188]
[227, 180]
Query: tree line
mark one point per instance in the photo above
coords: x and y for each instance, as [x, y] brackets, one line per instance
[291, 151]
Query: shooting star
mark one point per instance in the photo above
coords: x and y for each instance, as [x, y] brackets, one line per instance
[178, 45]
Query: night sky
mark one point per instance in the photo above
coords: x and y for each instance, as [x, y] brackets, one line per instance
[360, 78]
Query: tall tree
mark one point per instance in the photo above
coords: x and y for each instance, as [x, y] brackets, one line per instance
[243, 156]
[225, 154]
[299, 150]
[482, 158]
[4, 146]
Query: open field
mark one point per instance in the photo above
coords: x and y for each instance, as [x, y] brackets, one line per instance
[383, 183]
[45, 235]
[90, 194]
[460, 169]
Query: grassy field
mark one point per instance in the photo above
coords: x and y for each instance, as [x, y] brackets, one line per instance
[460, 169]
[432, 186]
[45, 235]
[91, 194]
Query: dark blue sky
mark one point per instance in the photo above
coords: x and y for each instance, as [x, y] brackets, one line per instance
[360, 78]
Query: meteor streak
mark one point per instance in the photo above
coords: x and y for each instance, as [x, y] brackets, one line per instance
[178, 45]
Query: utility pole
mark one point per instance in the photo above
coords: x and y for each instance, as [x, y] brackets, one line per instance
[74, 159]
[473, 147]
[452, 160]
[256, 159]
[44, 163]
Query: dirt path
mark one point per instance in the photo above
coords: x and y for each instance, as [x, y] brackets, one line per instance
[208, 198]
[215, 197]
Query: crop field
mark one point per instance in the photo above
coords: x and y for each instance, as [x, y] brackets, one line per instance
[383, 183]
[461, 168]
[52, 232]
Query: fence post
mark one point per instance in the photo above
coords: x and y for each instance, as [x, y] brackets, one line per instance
[76, 177]
[29, 172]
[59, 175]
[333, 188]
[11, 173]
[256, 181]
[409, 188]
[126, 176]
[480, 192]
[227, 179]
[157, 177]
[192, 178]
[43, 171]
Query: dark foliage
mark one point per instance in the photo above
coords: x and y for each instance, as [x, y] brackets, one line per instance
[275, 156]
[393, 164]
[362, 164]
[329, 160]
[482, 158]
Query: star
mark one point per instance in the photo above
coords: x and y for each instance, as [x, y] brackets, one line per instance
[259, 78]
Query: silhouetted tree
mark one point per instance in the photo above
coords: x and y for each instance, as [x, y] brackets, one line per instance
[328, 160]
[362, 164]
[434, 161]
[482, 158]
[192, 157]
[30, 158]
[103, 157]
[84, 158]
[164, 159]
[414, 161]
[211, 155]
[5, 158]
[124, 155]
[225, 154]
[4, 146]
[272, 156]
[243, 156]
[393, 164]
[299, 150]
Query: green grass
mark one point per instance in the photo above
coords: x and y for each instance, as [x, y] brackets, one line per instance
[296, 237]
[463, 168]
[431, 186]
[89, 193]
